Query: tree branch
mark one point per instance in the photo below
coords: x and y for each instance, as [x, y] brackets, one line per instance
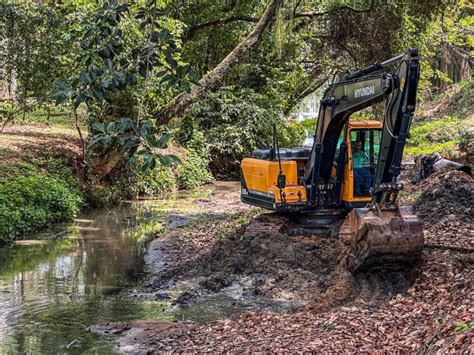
[194, 28]
[310, 16]
[313, 14]
[215, 77]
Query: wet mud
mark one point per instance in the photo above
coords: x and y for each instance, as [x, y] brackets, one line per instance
[270, 278]
[259, 262]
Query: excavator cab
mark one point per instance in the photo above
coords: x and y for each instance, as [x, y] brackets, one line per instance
[363, 146]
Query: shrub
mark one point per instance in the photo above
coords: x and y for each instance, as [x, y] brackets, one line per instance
[194, 170]
[129, 181]
[28, 203]
[291, 135]
[235, 123]
[437, 135]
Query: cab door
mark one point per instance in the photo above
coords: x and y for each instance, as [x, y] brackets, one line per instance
[363, 145]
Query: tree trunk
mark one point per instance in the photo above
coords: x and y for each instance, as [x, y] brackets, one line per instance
[102, 166]
[215, 78]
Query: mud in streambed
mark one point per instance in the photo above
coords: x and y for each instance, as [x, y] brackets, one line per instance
[272, 292]
[258, 267]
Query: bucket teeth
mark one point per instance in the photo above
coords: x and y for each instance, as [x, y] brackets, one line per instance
[387, 239]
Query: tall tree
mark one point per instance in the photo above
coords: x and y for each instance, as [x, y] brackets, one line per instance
[215, 78]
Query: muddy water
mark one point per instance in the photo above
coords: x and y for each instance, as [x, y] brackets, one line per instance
[56, 284]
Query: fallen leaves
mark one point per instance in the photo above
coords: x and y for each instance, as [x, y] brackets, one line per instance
[433, 313]
[421, 319]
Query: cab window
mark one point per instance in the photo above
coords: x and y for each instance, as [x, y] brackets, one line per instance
[365, 146]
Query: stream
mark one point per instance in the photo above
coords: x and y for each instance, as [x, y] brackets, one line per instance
[57, 283]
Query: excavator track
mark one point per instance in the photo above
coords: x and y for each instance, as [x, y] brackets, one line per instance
[324, 222]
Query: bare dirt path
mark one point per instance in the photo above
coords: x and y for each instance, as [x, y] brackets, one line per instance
[39, 139]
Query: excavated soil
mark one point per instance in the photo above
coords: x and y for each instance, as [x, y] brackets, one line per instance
[425, 308]
[263, 262]
[445, 205]
[443, 194]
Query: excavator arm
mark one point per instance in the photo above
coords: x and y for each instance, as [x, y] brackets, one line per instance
[353, 93]
[382, 234]
[398, 116]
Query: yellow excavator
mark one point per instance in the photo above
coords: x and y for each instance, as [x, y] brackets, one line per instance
[347, 183]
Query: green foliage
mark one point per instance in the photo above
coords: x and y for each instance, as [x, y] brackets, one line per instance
[445, 43]
[114, 66]
[152, 182]
[309, 124]
[129, 181]
[235, 123]
[438, 135]
[291, 135]
[194, 171]
[463, 326]
[466, 141]
[33, 201]
[33, 57]
[118, 63]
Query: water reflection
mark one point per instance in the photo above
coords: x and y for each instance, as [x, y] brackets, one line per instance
[51, 291]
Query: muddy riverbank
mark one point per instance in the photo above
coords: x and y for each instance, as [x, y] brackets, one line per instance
[264, 290]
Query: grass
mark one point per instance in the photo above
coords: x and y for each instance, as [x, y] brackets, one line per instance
[438, 135]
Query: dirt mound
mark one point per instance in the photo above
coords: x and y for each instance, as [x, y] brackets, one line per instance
[262, 261]
[443, 194]
[266, 262]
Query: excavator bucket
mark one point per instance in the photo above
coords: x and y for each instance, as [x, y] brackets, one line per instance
[383, 238]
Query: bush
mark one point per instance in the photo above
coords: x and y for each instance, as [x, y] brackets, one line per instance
[235, 123]
[291, 135]
[194, 170]
[437, 135]
[28, 203]
[129, 181]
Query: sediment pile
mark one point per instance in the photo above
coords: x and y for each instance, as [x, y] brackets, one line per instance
[445, 205]
[425, 309]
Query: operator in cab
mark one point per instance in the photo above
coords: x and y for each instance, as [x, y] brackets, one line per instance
[362, 175]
